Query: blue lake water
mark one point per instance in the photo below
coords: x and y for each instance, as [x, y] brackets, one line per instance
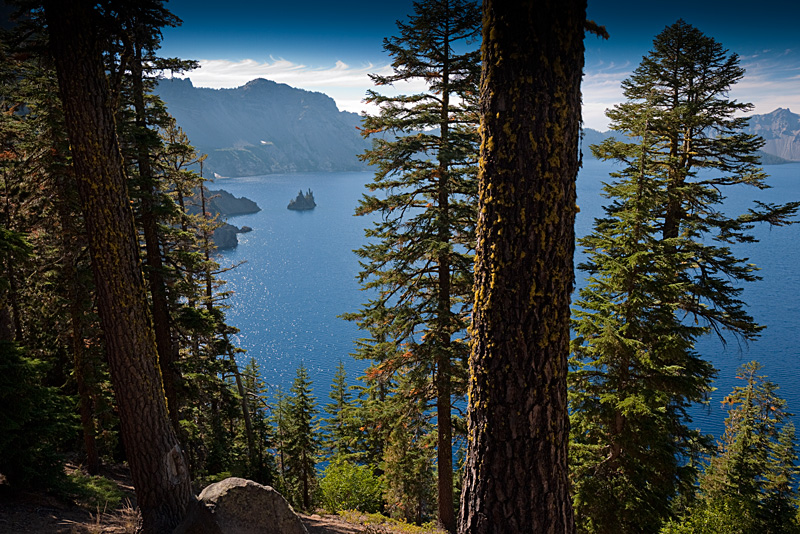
[300, 274]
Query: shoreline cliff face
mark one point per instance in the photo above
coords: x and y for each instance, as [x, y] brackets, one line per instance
[265, 127]
[780, 130]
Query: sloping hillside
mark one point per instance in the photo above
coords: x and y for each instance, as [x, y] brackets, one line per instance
[265, 127]
[781, 131]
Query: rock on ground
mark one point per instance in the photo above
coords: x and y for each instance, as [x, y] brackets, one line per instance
[242, 506]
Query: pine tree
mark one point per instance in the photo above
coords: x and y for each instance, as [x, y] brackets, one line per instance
[661, 275]
[516, 475]
[779, 505]
[261, 468]
[369, 425]
[337, 426]
[205, 358]
[300, 441]
[53, 311]
[408, 454]
[53, 316]
[418, 260]
[139, 36]
[750, 483]
[634, 369]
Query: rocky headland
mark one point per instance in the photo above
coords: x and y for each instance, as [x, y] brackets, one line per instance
[222, 204]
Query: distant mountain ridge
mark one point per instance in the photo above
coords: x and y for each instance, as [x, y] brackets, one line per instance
[265, 127]
[780, 130]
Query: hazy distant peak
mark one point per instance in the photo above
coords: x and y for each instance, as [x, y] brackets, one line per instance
[779, 128]
[262, 84]
[265, 127]
[260, 81]
[183, 83]
[781, 132]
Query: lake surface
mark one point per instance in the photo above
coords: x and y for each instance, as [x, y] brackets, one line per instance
[300, 274]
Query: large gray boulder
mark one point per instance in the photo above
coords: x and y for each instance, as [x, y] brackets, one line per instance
[242, 506]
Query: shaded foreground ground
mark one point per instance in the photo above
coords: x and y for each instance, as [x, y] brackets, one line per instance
[36, 513]
[42, 513]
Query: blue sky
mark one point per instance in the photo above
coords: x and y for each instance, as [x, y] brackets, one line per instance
[331, 46]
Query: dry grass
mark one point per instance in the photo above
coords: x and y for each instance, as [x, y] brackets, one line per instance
[124, 520]
[380, 524]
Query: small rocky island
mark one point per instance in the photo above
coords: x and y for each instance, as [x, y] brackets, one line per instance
[303, 202]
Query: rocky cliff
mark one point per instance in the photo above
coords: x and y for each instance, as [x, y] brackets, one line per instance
[228, 205]
[781, 132]
[265, 127]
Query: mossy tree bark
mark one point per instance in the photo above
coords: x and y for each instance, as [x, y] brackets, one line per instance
[516, 473]
[157, 464]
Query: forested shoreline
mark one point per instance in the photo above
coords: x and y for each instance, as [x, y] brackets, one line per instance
[116, 348]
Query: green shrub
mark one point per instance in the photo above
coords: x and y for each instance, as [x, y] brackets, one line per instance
[347, 486]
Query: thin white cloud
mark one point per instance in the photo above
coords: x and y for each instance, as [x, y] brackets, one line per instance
[601, 90]
[771, 81]
[218, 73]
[346, 84]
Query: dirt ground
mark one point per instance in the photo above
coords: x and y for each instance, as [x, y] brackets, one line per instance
[329, 524]
[41, 513]
[34, 513]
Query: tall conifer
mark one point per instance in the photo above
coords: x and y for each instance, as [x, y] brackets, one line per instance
[662, 274]
[301, 443]
[338, 424]
[419, 257]
[158, 466]
[750, 482]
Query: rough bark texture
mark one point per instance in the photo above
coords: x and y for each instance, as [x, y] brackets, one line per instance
[516, 474]
[157, 464]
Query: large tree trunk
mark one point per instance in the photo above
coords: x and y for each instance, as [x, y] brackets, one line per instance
[516, 472]
[157, 463]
